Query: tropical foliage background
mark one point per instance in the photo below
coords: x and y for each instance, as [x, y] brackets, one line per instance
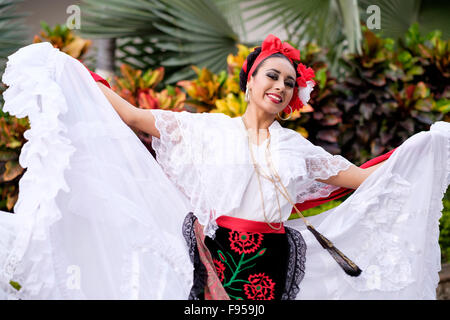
[375, 87]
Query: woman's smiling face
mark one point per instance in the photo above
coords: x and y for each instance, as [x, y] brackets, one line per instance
[272, 87]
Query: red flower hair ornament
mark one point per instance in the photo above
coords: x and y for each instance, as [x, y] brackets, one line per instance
[272, 45]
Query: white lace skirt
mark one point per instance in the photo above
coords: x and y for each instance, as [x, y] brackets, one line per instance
[97, 218]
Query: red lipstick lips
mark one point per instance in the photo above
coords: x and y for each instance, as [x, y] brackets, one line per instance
[275, 98]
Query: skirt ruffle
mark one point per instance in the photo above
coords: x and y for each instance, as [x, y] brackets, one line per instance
[96, 217]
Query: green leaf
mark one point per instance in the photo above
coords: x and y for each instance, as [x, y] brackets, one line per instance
[321, 77]
[424, 105]
[421, 91]
[443, 106]
[8, 155]
[222, 256]
[45, 27]
[15, 285]
[170, 90]
[389, 44]
[404, 57]
[415, 71]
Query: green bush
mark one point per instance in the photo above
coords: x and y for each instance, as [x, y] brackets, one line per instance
[392, 93]
[444, 227]
[11, 142]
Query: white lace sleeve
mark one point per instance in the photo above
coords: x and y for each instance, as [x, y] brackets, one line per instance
[187, 151]
[320, 164]
[175, 148]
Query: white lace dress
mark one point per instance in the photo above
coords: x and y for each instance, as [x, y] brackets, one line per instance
[98, 218]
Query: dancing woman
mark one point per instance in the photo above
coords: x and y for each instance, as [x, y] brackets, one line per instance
[209, 218]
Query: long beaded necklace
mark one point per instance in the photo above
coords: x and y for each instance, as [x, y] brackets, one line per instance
[274, 179]
[346, 264]
[259, 173]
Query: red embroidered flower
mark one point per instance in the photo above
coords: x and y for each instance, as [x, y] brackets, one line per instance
[261, 287]
[245, 242]
[306, 74]
[220, 268]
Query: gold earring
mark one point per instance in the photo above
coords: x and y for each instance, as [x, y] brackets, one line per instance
[290, 114]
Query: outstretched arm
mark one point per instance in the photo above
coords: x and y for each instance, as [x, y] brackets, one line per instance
[352, 177]
[141, 119]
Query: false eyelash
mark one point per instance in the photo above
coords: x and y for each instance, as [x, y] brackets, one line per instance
[274, 78]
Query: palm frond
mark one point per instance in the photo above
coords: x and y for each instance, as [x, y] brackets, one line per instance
[171, 33]
[397, 16]
[350, 17]
[117, 18]
[328, 23]
[13, 33]
[232, 10]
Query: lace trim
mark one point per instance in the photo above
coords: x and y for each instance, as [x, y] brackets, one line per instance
[322, 168]
[200, 272]
[31, 82]
[319, 167]
[296, 265]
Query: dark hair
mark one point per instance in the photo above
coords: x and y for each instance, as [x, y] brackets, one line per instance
[251, 59]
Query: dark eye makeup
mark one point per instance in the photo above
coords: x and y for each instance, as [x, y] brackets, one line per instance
[274, 76]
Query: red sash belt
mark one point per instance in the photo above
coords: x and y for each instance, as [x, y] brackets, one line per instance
[244, 225]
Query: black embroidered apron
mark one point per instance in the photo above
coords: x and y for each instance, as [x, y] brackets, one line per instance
[252, 260]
